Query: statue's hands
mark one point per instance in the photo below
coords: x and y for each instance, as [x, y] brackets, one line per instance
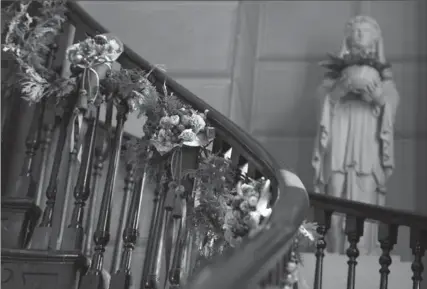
[374, 93]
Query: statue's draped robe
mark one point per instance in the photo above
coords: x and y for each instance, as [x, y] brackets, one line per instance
[355, 142]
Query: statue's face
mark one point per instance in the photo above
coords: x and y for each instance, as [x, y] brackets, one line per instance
[362, 36]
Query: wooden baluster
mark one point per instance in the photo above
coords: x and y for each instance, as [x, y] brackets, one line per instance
[180, 231]
[176, 238]
[69, 181]
[101, 153]
[93, 278]
[158, 202]
[122, 279]
[155, 261]
[26, 186]
[74, 234]
[190, 160]
[323, 219]
[128, 190]
[100, 156]
[387, 236]
[353, 230]
[161, 247]
[44, 146]
[43, 233]
[418, 243]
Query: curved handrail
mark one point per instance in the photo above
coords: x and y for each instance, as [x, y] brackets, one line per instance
[368, 211]
[265, 249]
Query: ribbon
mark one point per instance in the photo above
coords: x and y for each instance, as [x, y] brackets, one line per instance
[176, 166]
[76, 125]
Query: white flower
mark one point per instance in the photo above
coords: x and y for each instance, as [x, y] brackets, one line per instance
[174, 119]
[188, 135]
[197, 123]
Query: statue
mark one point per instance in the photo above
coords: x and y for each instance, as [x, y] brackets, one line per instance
[353, 154]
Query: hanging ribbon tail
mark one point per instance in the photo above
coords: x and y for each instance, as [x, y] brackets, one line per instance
[74, 131]
[176, 165]
[81, 137]
[168, 245]
[77, 130]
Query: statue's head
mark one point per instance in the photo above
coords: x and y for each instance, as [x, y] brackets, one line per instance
[363, 35]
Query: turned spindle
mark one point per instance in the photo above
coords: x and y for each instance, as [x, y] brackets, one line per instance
[126, 203]
[123, 278]
[323, 219]
[418, 244]
[93, 278]
[74, 233]
[152, 235]
[387, 236]
[153, 278]
[101, 153]
[353, 230]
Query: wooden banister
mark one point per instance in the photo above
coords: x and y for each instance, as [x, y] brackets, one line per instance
[368, 211]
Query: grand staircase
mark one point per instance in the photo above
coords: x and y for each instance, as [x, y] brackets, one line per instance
[44, 245]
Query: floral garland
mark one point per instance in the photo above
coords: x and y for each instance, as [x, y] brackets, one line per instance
[336, 64]
[180, 125]
[31, 31]
[228, 212]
